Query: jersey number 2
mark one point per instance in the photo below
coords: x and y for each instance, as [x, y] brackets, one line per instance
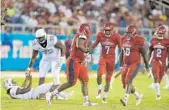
[158, 52]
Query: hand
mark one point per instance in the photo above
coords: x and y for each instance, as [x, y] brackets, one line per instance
[89, 50]
[29, 77]
[28, 72]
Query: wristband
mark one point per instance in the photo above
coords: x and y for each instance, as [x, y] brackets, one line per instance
[28, 69]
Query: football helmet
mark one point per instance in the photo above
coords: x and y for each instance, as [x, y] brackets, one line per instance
[41, 35]
[85, 29]
[8, 83]
[161, 32]
[108, 28]
[131, 31]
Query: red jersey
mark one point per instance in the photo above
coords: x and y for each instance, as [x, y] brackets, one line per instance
[75, 52]
[131, 51]
[108, 44]
[160, 48]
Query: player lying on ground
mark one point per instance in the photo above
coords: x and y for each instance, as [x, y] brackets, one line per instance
[108, 40]
[133, 46]
[53, 52]
[27, 92]
[75, 68]
[159, 45]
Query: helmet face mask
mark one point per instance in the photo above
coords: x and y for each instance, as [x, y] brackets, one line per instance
[108, 28]
[161, 32]
[8, 83]
[41, 35]
[41, 39]
[131, 31]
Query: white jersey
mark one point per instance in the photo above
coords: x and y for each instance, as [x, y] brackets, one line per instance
[49, 52]
[32, 94]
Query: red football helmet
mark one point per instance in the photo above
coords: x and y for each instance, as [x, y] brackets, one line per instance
[131, 30]
[85, 29]
[161, 31]
[108, 28]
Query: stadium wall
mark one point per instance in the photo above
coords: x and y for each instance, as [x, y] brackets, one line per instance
[16, 51]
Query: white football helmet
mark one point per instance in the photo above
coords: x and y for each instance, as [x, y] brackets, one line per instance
[40, 35]
[8, 83]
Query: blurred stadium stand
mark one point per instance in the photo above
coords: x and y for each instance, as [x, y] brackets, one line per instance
[62, 18]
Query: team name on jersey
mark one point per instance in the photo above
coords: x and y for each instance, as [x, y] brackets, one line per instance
[126, 45]
[107, 43]
[159, 46]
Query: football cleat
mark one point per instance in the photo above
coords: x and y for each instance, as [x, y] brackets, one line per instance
[104, 101]
[123, 101]
[48, 98]
[158, 97]
[98, 96]
[139, 99]
[88, 103]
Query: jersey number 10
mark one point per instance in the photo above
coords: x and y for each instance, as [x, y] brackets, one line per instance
[126, 51]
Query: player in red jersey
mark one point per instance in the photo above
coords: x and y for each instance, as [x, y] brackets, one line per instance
[159, 45]
[108, 41]
[132, 46]
[75, 67]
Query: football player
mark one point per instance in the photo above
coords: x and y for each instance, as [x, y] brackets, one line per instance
[108, 41]
[75, 67]
[158, 46]
[53, 52]
[133, 46]
[27, 92]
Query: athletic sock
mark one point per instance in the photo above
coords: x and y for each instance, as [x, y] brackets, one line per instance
[86, 98]
[105, 94]
[157, 88]
[99, 87]
[166, 79]
[136, 94]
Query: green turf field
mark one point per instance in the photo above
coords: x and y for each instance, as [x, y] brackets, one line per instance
[75, 102]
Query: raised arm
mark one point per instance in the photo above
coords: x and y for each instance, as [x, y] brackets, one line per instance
[34, 54]
[27, 88]
[96, 42]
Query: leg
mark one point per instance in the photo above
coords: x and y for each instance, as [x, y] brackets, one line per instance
[41, 80]
[101, 70]
[43, 69]
[83, 77]
[56, 67]
[72, 69]
[165, 77]
[109, 69]
[129, 88]
[156, 71]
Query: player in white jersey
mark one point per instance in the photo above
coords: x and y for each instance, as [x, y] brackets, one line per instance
[53, 52]
[27, 92]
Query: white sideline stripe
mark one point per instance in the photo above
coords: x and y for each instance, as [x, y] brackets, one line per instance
[34, 74]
